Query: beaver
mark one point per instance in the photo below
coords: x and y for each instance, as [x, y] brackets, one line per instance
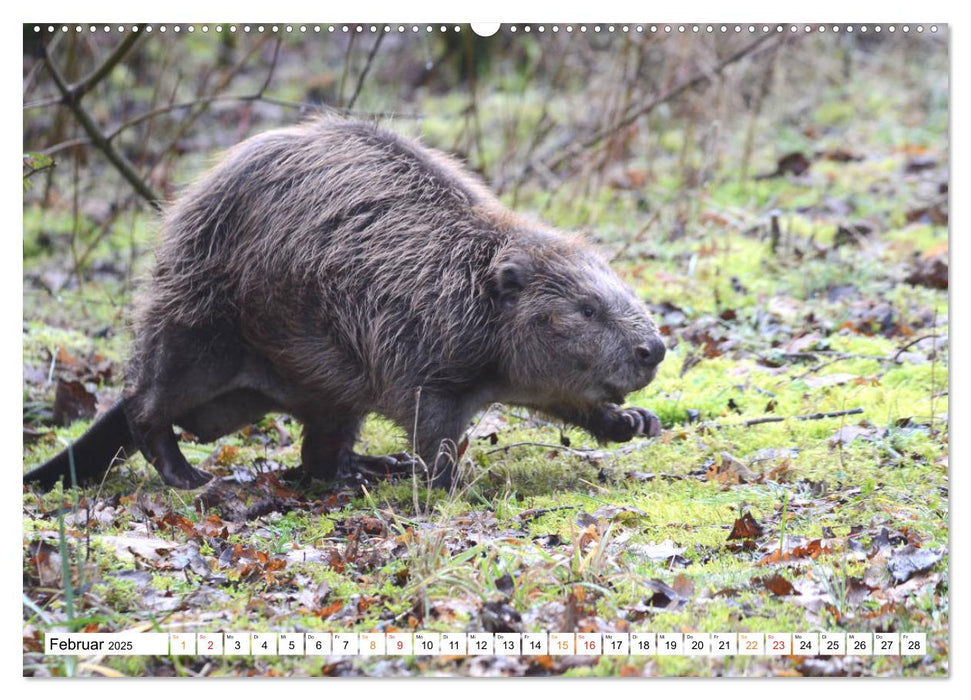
[335, 269]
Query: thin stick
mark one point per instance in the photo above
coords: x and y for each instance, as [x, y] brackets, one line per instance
[84, 86]
[547, 445]
[779, 419]
[914, 342]
[631, 447]
[631, 117]
[223, 82]
[895, 358]
[933, 366]
[363, 75]
[820, 366]
[347, 66]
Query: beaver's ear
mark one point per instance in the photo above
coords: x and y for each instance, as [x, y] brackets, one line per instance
[510, 278]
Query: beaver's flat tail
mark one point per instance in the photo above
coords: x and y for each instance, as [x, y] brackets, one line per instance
[109, 438]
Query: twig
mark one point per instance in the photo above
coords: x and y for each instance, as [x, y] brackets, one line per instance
[775, 231]
[363, 75]
[821, 365]
[756, 111]
[933, 366]
[209, 99]
[347, 67]
[779, 419]
[850, 355]
[224, 81]
[84, 86]
[33, 171]
[534, 513]
[562, 448]
[106, 229]
[840, 443]
[544, 125]
[631, 117]
[912, 343]
[272, 70]
[64, 145]
[44, 101]
[895, 358]
[71, 96]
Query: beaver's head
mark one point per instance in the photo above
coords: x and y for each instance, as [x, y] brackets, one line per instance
[571, 331]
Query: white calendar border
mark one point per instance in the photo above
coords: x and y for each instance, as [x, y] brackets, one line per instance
[384, 10]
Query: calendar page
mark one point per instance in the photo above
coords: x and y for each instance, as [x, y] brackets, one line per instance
[438, 349]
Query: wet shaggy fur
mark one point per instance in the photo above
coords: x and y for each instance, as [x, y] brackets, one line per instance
[335, 269]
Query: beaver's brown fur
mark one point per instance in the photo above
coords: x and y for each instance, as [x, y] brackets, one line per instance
[335, 269]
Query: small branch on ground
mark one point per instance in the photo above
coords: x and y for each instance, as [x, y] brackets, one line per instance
[779, 419]
[548, 445]
[534, 513]
[841, 357]
[639, 444]
[913, 342]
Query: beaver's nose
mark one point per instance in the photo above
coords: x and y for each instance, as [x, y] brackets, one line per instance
[651, 353]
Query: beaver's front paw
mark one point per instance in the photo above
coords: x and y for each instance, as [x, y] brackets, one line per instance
[625, 423]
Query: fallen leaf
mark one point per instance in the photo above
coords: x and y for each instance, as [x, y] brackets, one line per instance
[849, 433]
[910, 561]
[852, 234]
[792, 163]
[149, 548]
[46, 560]
[177, 521]
[488, 427]
[72, 402]
[684, 586]
[857, 590]
[728, 469]
[664, 550]
[919, 164]
[663, 596]
[929, 272]
[66, 359]
[225, 455]
[611, 512]
[500, 617]
[778, 585]
[841, 155]
[745, 528]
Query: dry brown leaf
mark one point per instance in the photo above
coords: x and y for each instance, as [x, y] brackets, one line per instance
[745, 528]
[779, 585]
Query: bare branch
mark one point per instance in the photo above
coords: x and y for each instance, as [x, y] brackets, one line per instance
[347, 67]
[779, 419]
[545, 445]
[633, 115]
[83, 86]
[904, 348]
[72, 98]
[303, 106]
[43, 102]
[269, 73]
[367, 67]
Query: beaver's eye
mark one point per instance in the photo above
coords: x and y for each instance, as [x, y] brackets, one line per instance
[588, 311]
